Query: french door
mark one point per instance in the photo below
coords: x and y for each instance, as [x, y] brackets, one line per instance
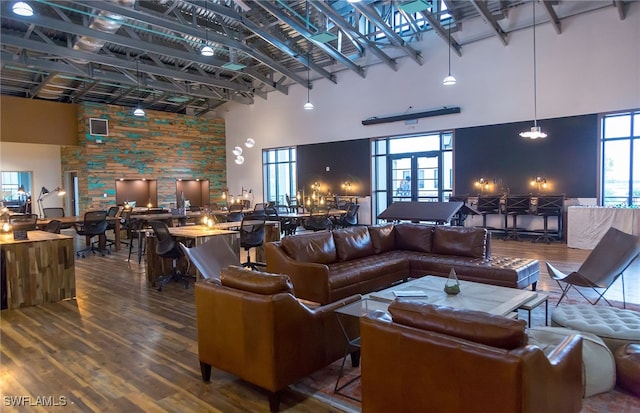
[414, 177]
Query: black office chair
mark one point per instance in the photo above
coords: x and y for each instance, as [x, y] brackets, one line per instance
[56, 212]
[288, 225]
[53, 226]
[318, 220]
[113, 212]
[550, 206]
[235, 213]
[348, 219]
[252, 236]
[136, 234]
[168, 247]
[23, 222]
[515, 205]
[94, 225]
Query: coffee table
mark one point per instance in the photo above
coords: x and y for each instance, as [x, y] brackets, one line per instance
[473, 296]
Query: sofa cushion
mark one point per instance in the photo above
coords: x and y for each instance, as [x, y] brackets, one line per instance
[383, 238]
[255, 281]
[476, 326]
[352, 243]
[413, 237]
[317, 247]
[461, 241]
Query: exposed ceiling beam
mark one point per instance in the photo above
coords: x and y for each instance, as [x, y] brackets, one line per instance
[393, 37]
[150, 19]
[277, 12]
[482, 8]
[442, 32]
[620, 6]
[552, 16]
[355, 34]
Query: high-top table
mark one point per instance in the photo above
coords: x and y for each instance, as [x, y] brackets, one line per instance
[40, 269]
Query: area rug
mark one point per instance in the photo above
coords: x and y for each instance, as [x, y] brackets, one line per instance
[321, 384]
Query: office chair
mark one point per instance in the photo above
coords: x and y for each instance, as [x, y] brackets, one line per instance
[111, 226]
[56, 212]
[94, 224]
[53, 226]
[348, 219]
[318, 220]
[168, 247]
[235, 213]
[23, 222]
[288, 225]
[252, 236]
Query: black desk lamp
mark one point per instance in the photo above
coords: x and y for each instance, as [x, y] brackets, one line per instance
[44, 192]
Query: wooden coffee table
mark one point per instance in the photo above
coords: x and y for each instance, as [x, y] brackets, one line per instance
[473, 296]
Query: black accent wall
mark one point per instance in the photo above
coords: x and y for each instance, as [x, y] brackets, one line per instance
[567, 158]
[347, 161]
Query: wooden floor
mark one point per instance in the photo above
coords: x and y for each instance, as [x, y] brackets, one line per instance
[122, 346]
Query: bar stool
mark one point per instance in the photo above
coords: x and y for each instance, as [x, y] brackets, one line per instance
[550, 206]
[488, 205]
[515, 206]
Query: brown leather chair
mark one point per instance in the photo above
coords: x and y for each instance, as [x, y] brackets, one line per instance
[251, 325]
[440, 359]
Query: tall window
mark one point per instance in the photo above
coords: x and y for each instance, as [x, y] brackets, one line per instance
[412, 168]
[279, 174]
[621, 159]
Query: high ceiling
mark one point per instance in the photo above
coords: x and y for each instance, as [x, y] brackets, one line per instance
[129, 53]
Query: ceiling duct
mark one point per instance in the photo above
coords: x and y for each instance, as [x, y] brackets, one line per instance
[409, 116]
[105, 22]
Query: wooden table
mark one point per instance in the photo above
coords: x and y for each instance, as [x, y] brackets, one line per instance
[473, 296]
[38, 270]
[77, 219]
[198, 234]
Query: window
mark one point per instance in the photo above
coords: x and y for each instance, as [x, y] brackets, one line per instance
[412, 168]
[620, 153]
[279, 174]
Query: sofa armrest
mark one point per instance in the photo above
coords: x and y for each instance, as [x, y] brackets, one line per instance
[310, 280]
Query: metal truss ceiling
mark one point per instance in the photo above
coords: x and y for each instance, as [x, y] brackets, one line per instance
[128, 52]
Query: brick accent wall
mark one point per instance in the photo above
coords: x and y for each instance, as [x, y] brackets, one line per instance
[161, 146]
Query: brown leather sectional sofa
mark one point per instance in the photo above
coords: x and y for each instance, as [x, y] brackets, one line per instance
[439, 359]
[327, 266]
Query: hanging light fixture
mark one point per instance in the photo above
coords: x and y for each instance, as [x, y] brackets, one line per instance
[138, 111]
[449, 80]
[22, 8]
[308, 105]
[535, 132]
[206, 50]
[250, 143]
[237, 151]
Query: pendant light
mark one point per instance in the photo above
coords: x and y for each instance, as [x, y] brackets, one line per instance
[206, 50]
[22, 8]
[449, 80]
[308, 105]
[535, 132]
[138, 111]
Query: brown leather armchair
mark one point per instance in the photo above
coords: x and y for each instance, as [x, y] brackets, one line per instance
[251, 325]
[440, 359]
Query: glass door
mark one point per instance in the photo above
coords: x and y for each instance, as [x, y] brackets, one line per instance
[414, 177]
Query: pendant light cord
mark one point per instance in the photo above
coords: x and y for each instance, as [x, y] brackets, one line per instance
[535, 84]
[449, 47]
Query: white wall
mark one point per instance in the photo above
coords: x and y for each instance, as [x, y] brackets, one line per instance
[593, 66]
[43, 161]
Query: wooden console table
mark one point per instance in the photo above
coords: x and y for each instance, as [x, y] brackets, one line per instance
[38, 270]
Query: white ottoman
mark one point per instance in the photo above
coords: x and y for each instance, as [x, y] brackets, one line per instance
[615, 326]
[598, 363]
